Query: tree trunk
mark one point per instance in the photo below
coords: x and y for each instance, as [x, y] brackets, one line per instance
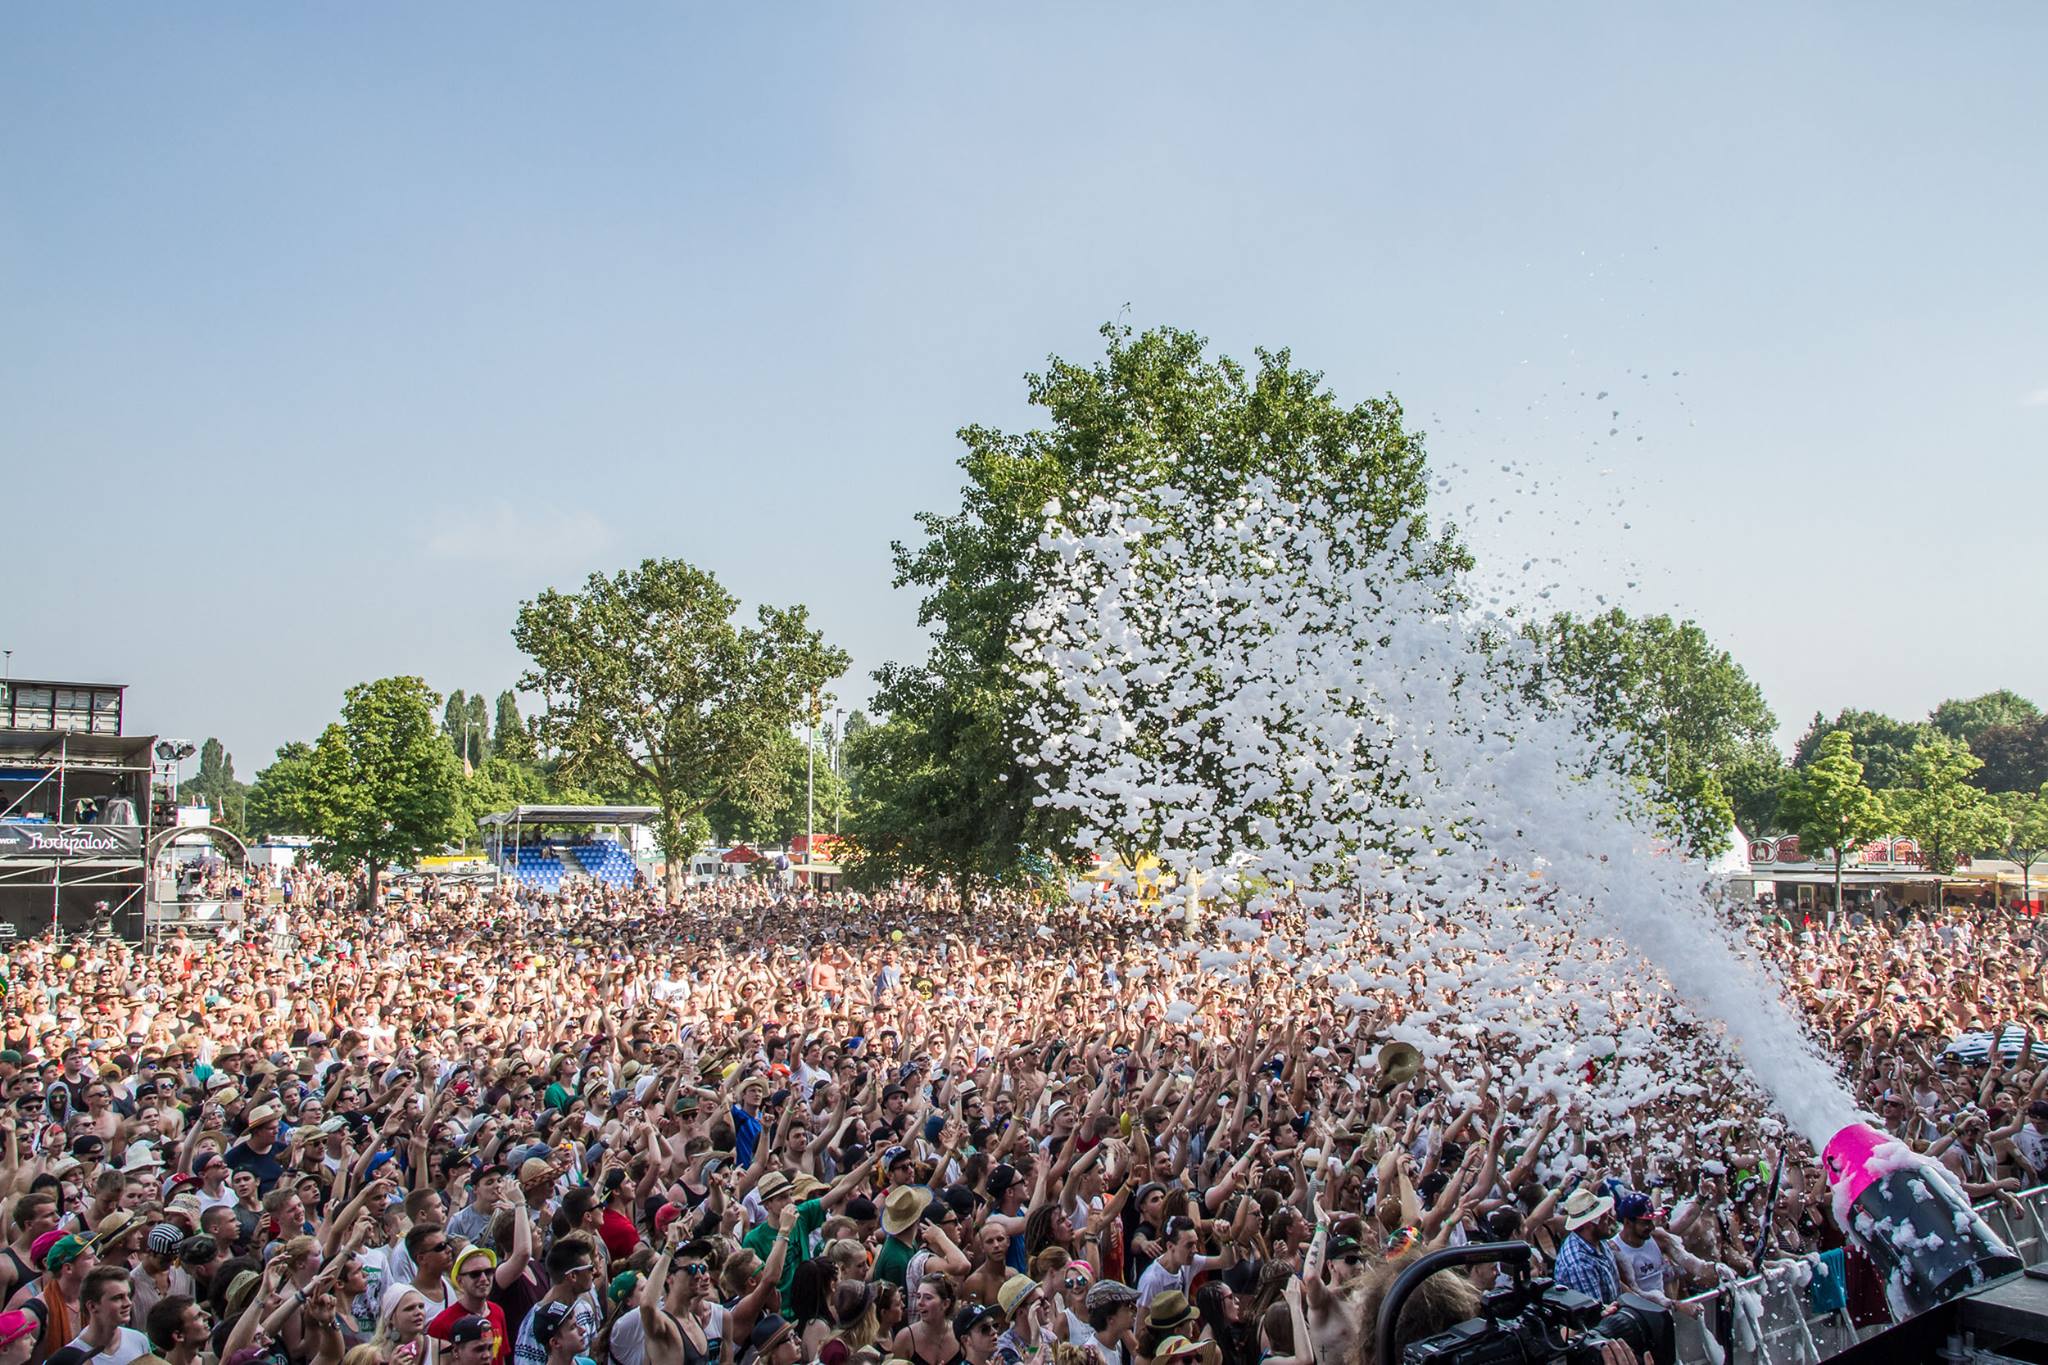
[1836, 913]
[370, 893]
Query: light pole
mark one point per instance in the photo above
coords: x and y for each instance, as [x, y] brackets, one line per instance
[810, 790]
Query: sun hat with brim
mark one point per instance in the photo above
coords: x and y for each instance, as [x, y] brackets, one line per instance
[1013, 1293]
[806, 1186]
[1585, 1207]
[904, 1206]
[1176, 1345]
[1169, 1310]
[16, 1325]
[768, 1333]
[240, 1290]
[114, 1226]
[773, 1186]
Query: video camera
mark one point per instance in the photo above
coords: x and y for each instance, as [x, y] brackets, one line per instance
[1533, 1320]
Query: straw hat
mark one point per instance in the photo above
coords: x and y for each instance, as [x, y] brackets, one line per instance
[904, 1206]
[1585, 1207]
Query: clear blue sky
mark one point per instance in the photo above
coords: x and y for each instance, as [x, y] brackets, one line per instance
[329, 333]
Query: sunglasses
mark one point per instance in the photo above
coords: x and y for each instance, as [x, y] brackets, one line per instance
[696, 1268]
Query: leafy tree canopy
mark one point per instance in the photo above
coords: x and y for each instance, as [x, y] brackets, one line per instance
[1882, 743]
[649, 682]
[1937, 806]
[382, 785]
[1969, 718]
[942, 789]
[1680, 712]
[2015, 756]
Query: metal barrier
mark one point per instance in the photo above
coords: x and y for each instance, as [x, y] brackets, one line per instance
[1766, 1319]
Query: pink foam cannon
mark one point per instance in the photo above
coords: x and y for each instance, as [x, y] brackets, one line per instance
[1909, 1216]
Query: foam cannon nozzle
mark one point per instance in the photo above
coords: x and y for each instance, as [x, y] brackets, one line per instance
[1912, 1219]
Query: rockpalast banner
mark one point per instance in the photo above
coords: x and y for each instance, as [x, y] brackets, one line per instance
[70, 841]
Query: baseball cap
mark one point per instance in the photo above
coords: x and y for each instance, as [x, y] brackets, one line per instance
[971, 1317]
[467, 1328]
[548, 1320]
[1632, 1204]
[164, 1239]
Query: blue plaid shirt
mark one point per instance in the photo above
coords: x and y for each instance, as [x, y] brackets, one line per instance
[1588, 1267]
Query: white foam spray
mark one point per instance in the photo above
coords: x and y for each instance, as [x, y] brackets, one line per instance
[1240, 689]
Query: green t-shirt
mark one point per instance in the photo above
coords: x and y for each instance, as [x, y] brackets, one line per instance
[760, 1239]
[892, 1262]
[556, 1097]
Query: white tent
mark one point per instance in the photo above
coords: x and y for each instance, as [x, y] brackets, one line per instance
[1734, 860]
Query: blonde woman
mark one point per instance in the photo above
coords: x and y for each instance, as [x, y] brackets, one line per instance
[402, 1328]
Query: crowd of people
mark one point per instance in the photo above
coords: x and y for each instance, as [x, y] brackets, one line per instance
[754, 1125]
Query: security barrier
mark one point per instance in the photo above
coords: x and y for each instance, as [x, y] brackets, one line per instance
[1768, 1319]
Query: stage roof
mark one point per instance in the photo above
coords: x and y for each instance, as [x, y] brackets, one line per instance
[75, 748]
[573, 815]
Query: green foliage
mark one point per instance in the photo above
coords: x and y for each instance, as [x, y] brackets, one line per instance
[479, 713]
[1882, 743]
[509, 736]
[1969, 718]
[850, 750]
[2024, 818]
[941, 792]
[278, 802]
[1672, 710]
[1828, 806]
[2015, 756]
[650, 684]
[382, 784]
[215, 784]
[775, 812]
[1754, 784]
[1937, 805]
[465, 720]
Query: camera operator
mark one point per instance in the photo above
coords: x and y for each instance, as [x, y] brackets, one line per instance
[1438, 1304]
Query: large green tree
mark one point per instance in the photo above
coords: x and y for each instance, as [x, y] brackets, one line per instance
[1967, 718]
[382, 785]
[942, 791]
[2024, 818]
[1937, 806]
[1827, 804]
[1882, 743]
[2015, 756]
[648, 681]
[1671, 708]
[278, 802]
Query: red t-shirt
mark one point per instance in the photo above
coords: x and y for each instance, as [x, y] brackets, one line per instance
[501, 1341]
[619, 1234]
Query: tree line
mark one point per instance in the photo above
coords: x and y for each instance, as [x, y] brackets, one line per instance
[652, 689]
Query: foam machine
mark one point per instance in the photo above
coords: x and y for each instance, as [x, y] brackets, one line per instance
[1909, 1218]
